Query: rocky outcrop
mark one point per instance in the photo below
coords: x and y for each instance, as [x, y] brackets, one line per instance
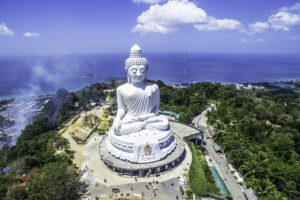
[59, 106]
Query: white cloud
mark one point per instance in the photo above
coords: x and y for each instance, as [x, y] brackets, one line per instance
[152, 26]
[148, 1]
[31, 34]
[258, 27]
[219, 24]
[260, 40]
[244, 40]
[252, 41]
[293, 38]
[293, 8]
[4, 30]
[165, 18]
[168, 17]
[284, 20]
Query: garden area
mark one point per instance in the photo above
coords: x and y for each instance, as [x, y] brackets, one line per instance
[200, 178]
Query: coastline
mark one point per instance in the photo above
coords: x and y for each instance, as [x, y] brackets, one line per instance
[18, 117]
[52, 92]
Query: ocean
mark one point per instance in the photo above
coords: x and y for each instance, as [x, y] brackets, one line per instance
[30, 76]
[34, 75]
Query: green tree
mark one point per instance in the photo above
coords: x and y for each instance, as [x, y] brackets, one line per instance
[16, 192]
[55, 181]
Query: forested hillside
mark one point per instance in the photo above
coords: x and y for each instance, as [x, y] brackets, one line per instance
[259, 132]
[40, 165]
[258, 129]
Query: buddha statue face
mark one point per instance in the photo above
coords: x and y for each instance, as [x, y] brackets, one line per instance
[137, 73]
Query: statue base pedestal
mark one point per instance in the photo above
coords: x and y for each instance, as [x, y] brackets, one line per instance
[141, 147]
[124, 167]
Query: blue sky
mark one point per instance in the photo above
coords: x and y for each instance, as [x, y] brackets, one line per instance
[100, 26]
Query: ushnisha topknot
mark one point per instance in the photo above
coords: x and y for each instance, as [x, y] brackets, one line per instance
[136, 57]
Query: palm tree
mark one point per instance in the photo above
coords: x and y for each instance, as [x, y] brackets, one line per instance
[255, 164]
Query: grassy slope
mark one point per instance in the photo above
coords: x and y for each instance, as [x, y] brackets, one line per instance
[199, 174]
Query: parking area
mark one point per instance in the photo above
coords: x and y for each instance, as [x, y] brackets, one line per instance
[151, 190]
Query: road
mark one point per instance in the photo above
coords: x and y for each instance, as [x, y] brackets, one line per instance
[201, 120]
[219, 159]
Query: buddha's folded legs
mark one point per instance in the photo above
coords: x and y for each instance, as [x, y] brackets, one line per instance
[131, 128]
[157, 123]
[160, 123]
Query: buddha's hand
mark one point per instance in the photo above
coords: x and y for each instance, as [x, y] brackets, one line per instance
[145, 117]
[117, 124]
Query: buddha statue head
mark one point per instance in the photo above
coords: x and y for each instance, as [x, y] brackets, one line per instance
[136, 65]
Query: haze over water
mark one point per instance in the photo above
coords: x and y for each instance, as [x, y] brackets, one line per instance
[27, 76]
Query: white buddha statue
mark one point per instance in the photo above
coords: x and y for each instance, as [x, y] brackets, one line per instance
[138, 101]
[139, 134]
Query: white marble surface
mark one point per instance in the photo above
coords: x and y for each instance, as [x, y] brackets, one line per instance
[139, 134]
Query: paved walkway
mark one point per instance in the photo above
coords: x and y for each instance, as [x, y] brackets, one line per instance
[182, 130]
[201, 120]
[219, 159]
[101, 179]
[98, 171]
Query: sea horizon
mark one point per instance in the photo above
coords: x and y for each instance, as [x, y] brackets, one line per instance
[40, 75]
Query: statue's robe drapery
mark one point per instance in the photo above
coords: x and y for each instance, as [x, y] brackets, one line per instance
[142, 108]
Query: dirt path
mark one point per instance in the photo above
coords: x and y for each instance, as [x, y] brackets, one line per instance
[79, 149]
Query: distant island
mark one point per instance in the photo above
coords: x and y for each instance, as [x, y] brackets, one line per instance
[88, 75]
